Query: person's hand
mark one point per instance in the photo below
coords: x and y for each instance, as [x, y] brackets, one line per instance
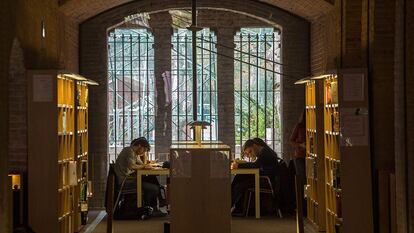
[234, 165]
[148, 167]
[154, 161]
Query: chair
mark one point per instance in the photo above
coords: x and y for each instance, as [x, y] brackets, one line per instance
[266, 190]
[118, 189]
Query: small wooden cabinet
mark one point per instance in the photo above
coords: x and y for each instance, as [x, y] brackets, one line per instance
[200, 188]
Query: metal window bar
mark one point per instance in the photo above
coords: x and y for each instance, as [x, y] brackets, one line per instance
[131, 92]
[251, 97]
[131, 107]
[186, 83]
[249, 93]
[123, 89]
[182, 78]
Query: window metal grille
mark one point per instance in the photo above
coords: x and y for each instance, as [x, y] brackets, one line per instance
[131, 90]
[256, 82]
[182, 81]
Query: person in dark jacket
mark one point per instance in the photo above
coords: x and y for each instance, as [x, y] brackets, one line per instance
[267, 162]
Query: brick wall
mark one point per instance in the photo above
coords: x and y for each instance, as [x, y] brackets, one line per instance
[69, 44]
[295, 55]
[400, 125]
[225, 86]
[18, 110]
[381, 78]
[409, 89]
[82, 10]
[326, 41]
[162, 32]
[7, 34]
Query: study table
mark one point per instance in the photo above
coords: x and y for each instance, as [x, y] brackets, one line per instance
[166, 172]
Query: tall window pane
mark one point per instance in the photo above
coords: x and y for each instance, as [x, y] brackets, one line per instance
[131, 97]
[257, 86]
[182, 83]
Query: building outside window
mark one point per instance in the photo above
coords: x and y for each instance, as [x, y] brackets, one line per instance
[257, 87]
[131, 88]
[182, 84]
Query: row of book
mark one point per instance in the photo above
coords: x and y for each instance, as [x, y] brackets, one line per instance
[335, 176]
[331, 92]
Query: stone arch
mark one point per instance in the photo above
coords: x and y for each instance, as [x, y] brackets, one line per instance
[81, 10]
[93, 64]
[17, 109]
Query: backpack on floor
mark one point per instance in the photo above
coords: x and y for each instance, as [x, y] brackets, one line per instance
[127, 209]
[286, 197]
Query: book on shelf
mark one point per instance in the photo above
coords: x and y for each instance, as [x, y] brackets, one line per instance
[335, 121]
[73, 177]
[86, 97]
[307, 191]
[338, 201]
[83, 192]
[78, 97]
[64, 179]
[328, 97]
[311, 145]
[309, 167]
[64, 123]
[90, 191]
[337, 178]
[315, 169]
[334, 91]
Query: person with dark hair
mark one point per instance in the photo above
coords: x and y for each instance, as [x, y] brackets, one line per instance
[265, 159]
[298, 141]
[133, 158]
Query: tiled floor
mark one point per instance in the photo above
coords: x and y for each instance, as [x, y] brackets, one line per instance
[239, 225]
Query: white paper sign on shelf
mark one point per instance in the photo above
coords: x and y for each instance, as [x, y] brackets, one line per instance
[219, 165]
[181, 164]
[354, 127]
[43, 88]
[353, 87]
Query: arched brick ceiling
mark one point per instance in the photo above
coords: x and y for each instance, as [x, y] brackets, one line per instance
[81, 10]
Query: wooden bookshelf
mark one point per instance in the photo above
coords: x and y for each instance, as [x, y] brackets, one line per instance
[332, 155]
[315, 157]
[82, 192]
[56, 122]
[339, 179]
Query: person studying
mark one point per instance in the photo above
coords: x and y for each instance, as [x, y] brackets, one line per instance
[266, 161]
[134, 158]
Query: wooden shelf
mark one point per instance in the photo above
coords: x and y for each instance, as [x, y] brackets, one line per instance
[314, 163]
[333, 191]
[329, 100]
[61, 157]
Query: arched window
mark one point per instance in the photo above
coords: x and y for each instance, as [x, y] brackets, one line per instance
[131, 90]
[257, 86]
[182, 83]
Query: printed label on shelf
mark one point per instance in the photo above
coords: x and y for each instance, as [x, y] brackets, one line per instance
[43, 88]
[353, 87]
[354, 127]
[181, 164]
[219, 165]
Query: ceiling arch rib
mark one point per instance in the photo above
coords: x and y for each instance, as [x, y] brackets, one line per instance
[81, 10]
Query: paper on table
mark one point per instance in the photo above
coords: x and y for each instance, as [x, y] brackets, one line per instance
[42, 88]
